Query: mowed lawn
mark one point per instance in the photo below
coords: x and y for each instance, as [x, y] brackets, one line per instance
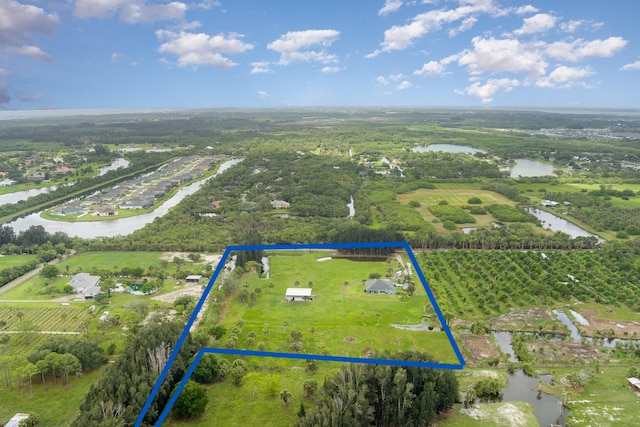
[8, 261]
[346, 320]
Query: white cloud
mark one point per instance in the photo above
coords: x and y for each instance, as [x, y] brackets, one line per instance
[115, 56]
[537, 24]
[404, 85]
[486, 91]
[396, 77]
[389, 7]
[292, 45]
[202, 49]
[564, 77]
[523, 10]
[578, 50]
[431, 69]
[331, 69]
[262, 94]
[503, 55]
[571, 26]
[401, 37]
[136, 11]
[631, 66]
[381, 80]
[30, 51]
[466, 25]
[18, 22]
[261, 67]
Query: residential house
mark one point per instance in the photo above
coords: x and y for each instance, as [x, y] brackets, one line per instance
[105, 210]
[379, 286]
[68, 210]
[84, 283]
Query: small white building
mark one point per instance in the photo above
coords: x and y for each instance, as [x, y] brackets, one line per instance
[298, 294]
[193, 279]
[15, 420]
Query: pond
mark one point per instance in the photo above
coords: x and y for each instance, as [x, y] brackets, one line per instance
[529, 168]
[447, 148]
[547, 408]
[116, 164]
[114, 227]
[555, 223]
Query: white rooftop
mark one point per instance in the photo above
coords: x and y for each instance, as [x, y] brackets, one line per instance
[298, 292]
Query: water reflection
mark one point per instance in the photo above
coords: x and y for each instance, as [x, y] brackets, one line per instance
[555, 223]
[529, 168]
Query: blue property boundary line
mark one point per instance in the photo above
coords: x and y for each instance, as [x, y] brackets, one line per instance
[209, 286]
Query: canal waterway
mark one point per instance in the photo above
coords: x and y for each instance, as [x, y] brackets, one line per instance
[115, 227]
[555, 223]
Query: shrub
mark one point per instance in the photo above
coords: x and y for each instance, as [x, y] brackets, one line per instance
[474, 201]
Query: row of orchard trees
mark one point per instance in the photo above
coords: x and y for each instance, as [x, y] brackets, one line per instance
[57, 356]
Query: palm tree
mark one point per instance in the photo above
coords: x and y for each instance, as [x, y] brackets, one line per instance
[285, 395]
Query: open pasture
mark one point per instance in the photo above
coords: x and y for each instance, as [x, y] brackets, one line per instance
[342, 320]
[8, 261]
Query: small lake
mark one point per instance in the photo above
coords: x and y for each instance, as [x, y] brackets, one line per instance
[555, 223]
[529, 168]
[447, 148]
[547, 408]
[115, 227]
[117, 163]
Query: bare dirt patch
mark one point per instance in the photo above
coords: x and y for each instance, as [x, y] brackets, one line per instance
[599, 327]
[479, 347]
[207, 258]
[534, 320]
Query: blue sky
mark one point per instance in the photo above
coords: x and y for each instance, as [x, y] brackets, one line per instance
[257, 53]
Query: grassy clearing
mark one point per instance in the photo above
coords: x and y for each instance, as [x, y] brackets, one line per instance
[346, 321]
[8, 261]
[250, 404]
[454, 195]
[56, 406]
[606, 401]
[87, 260]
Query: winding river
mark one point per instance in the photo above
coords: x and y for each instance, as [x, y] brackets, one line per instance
[115, 227]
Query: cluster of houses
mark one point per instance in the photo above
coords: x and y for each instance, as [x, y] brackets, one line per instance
[142, 191]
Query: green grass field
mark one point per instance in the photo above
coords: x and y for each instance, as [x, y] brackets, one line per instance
[347, 321]
[56, 406]
[8, 261]
[250, 404]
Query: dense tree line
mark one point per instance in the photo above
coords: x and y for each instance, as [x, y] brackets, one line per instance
[383, 395]
[117, 399]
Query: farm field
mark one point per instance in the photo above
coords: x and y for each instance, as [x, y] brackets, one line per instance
[342, 320]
